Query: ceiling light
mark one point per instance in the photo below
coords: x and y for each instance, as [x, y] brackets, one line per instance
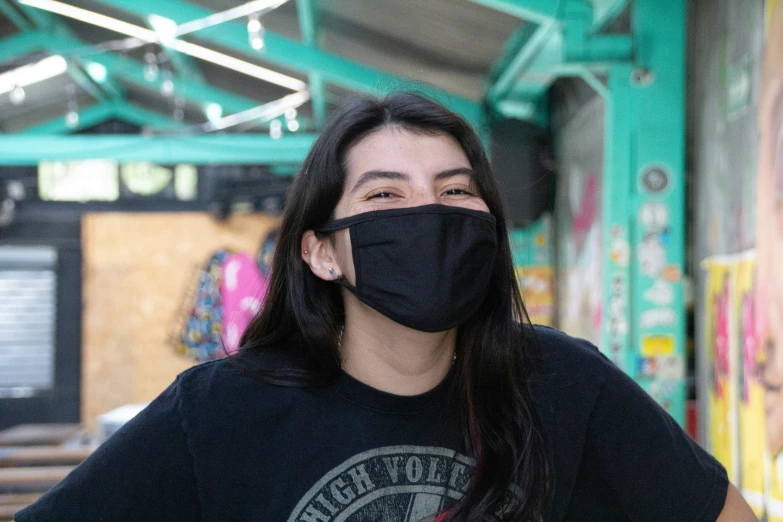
[97, 72]
[32, 73]
[293, 125]
[167, 87]
[254, 24]
[230, 14]
[263, 112]
[165, 28]
[147, 35]
[90, 17]
[213, 111]
[256, 42]
[72, 119]
[18, 95]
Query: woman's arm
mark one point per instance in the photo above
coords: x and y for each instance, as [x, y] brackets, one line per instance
[736, 509]
[142, 472]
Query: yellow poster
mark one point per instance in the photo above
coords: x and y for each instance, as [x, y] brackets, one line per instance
[751, 389]
[537, 286]
[769, 249]
[721, 351]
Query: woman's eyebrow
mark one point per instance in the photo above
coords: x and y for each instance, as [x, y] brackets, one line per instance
[372, 175]
[459, 171]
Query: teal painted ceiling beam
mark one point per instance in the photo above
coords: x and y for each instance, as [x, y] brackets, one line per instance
[546, 35]
[214, 149]
[133, 72]
[606, 11]
[142, 117]
[127, 69]
[88, 117]
[512, 48]
[18, 45]
[562, 44]
[294, 55]
[536, 11]
[534, 111]
[308, 12]
[102, 112]
[50, 24]
[16, 18]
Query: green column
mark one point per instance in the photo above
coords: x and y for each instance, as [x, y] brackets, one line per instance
[644, 206]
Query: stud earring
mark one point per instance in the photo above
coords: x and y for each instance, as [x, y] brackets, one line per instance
[334, 274]
[306, 252]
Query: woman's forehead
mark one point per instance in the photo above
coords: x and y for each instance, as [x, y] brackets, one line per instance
[396, 149]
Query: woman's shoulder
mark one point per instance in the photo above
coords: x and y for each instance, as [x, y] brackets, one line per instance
[235, 387]
[562, 354]
[573, 373]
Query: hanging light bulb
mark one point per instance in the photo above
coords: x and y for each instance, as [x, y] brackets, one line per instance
[18, 95]
[293, 125]
[275, 129]
[253, 23]
[167, 85]
[151, 67]
[255, 32]
[290, 113]
[179, 108]
[72, 119]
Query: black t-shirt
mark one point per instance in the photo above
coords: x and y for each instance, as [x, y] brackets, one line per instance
[218, 445]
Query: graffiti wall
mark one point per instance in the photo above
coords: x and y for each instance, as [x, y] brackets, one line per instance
[533, 252]
[578, 212]
[737, 152]
[142, 271]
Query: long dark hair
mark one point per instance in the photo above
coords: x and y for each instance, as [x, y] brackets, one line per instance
[496, 357]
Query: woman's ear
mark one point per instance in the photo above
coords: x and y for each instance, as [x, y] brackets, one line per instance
[319, 254]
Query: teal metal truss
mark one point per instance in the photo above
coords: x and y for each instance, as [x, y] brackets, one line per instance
[201, 149]
[642, 78]
[304, 57]
[559, 38]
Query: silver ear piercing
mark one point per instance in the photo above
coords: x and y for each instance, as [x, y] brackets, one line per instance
[334, 274]
[306, 252]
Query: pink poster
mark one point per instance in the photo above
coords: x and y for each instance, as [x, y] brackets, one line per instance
[243, 289]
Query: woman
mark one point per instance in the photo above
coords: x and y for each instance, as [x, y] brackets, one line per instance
[388, 377]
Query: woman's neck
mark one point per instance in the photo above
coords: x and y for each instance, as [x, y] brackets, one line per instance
[391, 357]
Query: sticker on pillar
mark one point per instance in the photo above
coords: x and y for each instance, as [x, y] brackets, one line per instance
[670, 368]
[620, 253]
[655, 179]
[618, 323]
[620, 249]
[651, 254]
[648, 366]
[661, 293]
[657, 345]
[654, 217]
[657, 318]
[672, 273]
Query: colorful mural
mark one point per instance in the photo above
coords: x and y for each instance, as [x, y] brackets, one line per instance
[532, 252]
[578, 211]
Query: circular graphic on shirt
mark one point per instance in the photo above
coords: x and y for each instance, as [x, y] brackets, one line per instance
[395, 483]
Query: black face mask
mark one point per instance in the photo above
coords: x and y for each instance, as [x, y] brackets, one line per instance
[427, 268]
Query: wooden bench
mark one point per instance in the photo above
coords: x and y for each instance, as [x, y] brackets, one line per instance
[33, 458]
[39, 434]
[46, 455]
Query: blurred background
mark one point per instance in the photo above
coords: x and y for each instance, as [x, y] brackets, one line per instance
[147, 147]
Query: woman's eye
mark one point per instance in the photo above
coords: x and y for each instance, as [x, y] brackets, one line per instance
[457, 192]
[381, 195]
